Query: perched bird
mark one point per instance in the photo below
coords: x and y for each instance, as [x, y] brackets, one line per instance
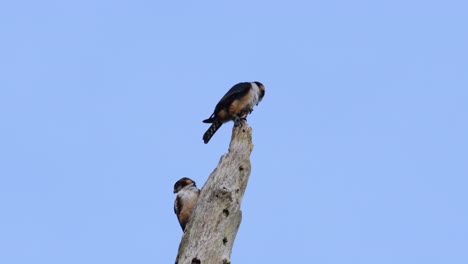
[235, 105]
[187, 196]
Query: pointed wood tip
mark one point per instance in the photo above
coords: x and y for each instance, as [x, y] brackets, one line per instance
[241, 138]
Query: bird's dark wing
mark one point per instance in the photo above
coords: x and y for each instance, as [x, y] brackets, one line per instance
[237, 91]
[177, 205]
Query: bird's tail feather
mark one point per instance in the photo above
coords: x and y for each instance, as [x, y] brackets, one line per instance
[211, 130]
[209, 120]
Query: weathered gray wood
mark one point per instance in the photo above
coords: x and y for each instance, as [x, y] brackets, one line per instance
[210, 233]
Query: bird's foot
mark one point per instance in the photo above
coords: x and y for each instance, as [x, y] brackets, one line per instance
[239, 121]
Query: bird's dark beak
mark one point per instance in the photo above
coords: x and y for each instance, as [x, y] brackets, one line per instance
[175, 191]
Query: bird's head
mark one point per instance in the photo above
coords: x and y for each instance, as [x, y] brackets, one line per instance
[182, 183]
[261, 87]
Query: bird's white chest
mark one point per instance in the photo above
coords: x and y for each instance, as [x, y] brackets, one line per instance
[254, 95]
[188, 194]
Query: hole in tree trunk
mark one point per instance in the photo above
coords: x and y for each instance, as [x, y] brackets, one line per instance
[226, 212]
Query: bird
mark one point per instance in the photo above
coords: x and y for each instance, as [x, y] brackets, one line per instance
[235, 105]
[186, 199]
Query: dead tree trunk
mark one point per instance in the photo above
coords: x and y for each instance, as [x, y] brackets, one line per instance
[210, 233]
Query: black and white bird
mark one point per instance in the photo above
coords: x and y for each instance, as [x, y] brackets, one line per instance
[186, 199]
[235, 105]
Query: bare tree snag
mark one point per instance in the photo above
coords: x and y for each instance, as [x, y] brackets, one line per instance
[210, 233]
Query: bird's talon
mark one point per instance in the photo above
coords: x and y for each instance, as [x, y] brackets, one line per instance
[239, 121]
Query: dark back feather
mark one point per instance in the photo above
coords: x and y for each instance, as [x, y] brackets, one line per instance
[237, 91]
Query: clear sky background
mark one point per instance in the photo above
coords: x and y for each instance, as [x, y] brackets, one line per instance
[361, 141]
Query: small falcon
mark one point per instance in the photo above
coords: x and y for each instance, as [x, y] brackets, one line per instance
[235, 105]
[187, 196]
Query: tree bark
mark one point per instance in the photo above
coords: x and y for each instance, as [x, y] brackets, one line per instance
[210, 233]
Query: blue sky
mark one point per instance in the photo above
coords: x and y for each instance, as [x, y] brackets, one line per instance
[361, 141]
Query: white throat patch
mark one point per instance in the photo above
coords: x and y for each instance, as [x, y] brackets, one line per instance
[255, 93]
[188, 192]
